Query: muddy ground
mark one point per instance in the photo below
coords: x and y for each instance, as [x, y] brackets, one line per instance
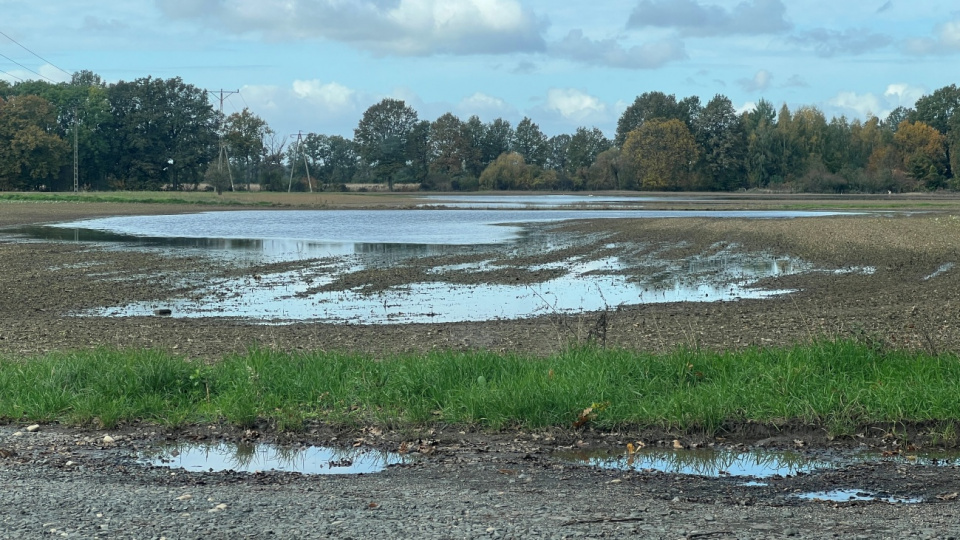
[909, 300]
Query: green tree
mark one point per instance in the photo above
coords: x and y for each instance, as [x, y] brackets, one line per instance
[663, 154]
[940, 110]
[585, 146]
[557, 159]
[449, 147]
[510, 171]
[531, 143]
[656, 106]
[385, 137]
[722, 139]
[32, 154]
[154, 121]
[498, 137]
[244, 133]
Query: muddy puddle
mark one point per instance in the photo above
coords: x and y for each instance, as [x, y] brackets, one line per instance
[321, 249]
[851, 495]
[253, 458]
[755, 466]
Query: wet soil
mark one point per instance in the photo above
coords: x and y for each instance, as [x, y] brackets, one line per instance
[904, 303]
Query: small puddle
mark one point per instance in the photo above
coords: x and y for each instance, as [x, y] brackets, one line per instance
[943, 269]
[848, 495]
[252, 458]
[717, 463]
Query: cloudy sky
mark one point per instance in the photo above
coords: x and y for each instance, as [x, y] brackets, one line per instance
[316, 65]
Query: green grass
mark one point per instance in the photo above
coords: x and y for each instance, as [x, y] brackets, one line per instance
[837, 385]
[141, 197]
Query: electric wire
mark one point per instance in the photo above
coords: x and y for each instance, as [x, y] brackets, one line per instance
[35, 54]
[11, 75]
[28, 69]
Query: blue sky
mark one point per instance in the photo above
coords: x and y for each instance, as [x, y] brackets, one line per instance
[316, 65]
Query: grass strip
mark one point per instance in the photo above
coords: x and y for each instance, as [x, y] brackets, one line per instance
[146, 197]
[839, 385]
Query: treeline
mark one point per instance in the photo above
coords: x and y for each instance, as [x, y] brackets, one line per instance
[152, 134]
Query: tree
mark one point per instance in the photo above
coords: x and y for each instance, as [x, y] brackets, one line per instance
[723, 143]
[154, 121]
[32, 154]
[585, 146]
[244, 133]
[924, 153]
[384, 138]
[656, 106]
[498, 137]
[510, 171]
[940, 110]
[557, 158]
[531, 143]
[663, 153]
[608, 171]
[449, 147]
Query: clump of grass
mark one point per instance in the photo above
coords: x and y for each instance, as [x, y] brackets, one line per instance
[838, 385]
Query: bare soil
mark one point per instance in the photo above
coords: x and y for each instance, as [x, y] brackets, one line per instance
[905, 302]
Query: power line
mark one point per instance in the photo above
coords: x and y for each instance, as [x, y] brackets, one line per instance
[28, 69]
[11, 75]
[35, 54]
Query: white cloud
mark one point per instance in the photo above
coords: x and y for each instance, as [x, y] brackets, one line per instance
[863, 104]
[610, 53]
[760, 82]
[486, 107]
[311, 106]
[905, 94]
[331, 95]
[746, 107]
[399, 27]
[575, 105]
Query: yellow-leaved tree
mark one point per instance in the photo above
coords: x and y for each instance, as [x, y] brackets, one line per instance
[663, 154]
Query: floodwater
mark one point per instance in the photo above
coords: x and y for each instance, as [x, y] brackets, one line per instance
[253, 458]
[326, 245]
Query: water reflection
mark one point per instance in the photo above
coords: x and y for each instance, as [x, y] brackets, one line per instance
[322, 248]
[756, 464]
[850, 495]
[248, 457]
[584, 285]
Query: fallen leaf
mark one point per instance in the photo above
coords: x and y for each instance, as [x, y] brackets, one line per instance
[948, 496]
[585, 417]
[631, 449]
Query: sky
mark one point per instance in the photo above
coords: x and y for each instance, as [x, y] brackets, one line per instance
[317, 65]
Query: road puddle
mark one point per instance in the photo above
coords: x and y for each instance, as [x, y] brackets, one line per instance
[705, 462]
[850, 495]
[252, 458]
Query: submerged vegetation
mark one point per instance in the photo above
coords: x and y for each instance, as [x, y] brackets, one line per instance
[839, 385]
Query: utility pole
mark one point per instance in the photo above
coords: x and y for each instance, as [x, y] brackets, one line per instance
[76, 152]
[293, 162]
[224, 94]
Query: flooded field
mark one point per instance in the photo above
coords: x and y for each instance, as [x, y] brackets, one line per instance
[329, 266]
